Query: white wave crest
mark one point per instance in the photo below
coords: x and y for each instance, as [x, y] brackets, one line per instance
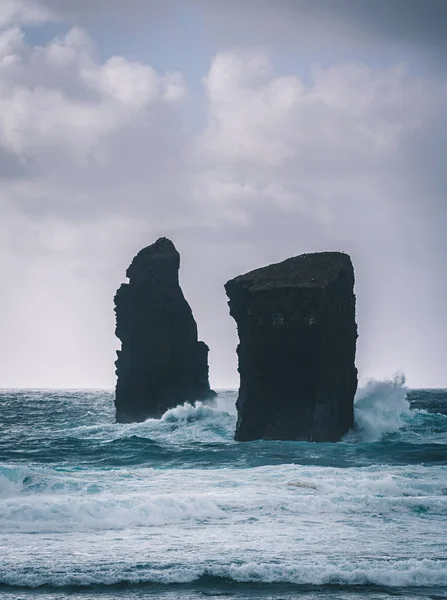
[9, 487]
[214, 408]
[52, 514]
[381, 407]
[392, 573]
[189, 412]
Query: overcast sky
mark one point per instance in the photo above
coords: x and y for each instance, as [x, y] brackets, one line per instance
[247, 132]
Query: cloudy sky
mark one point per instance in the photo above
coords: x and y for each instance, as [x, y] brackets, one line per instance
[247, 132]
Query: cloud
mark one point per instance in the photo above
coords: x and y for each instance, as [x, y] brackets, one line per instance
[306, 166]
[99, 155]
[23, 12]
[310, 146]
[58, 96]
[86, 148]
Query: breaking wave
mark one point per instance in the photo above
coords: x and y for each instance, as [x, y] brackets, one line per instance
[189, 412]
[404, 573]
[381, 407]
[83, 513]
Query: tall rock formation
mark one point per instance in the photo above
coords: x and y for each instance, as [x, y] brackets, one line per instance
[161, 362]
[297, 332]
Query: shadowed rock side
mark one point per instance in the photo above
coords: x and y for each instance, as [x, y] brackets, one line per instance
[297, 332]
[161, 363]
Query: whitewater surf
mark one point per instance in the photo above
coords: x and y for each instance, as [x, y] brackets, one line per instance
[176, 508]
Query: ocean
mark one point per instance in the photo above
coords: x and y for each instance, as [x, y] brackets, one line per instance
[176, 509]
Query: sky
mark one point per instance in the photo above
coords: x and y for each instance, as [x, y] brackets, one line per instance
[247, 132]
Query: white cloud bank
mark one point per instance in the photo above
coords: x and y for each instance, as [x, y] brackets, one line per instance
[97, 160]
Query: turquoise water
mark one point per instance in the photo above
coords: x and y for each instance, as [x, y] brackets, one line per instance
[174, 508]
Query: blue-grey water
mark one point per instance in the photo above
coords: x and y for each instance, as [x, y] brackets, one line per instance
[174, 508]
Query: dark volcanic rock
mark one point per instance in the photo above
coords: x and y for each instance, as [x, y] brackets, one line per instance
[297, 332]
[161, 363]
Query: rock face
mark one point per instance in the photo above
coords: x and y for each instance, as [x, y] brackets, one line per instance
[161, 362]
[297, 332]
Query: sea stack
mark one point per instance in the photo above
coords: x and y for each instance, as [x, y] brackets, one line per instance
[297, 332]
[161, 362]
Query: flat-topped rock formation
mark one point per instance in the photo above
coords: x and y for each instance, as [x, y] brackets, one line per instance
[161, 362]
[297, 332]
